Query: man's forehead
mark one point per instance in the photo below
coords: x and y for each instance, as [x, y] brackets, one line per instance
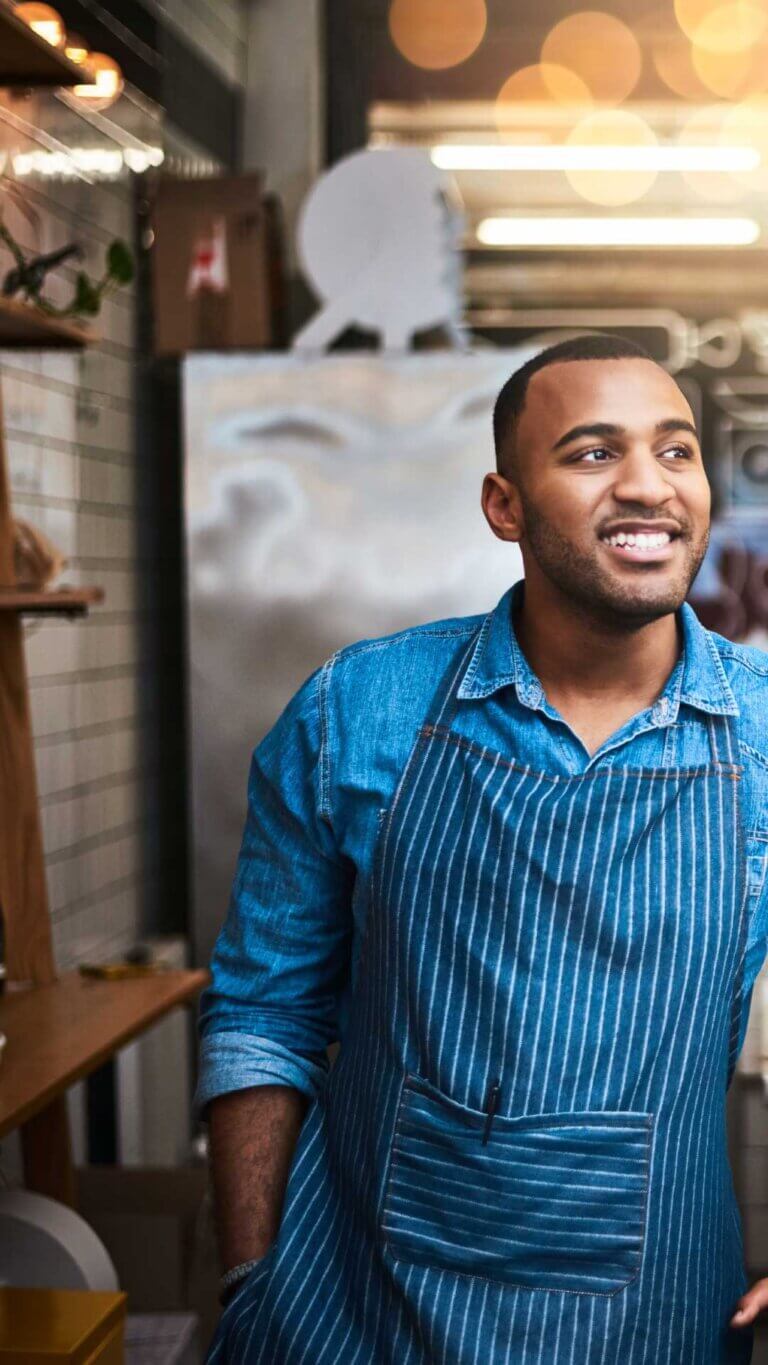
[623, 391]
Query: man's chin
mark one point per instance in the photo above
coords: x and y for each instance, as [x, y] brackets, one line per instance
[641, 602]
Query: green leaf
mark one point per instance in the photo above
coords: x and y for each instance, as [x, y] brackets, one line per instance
[119, 262]
[87, 299]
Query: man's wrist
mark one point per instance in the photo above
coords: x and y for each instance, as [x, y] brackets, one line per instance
[232, 1278]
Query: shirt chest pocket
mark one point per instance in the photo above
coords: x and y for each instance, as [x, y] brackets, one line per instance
[551, 1201]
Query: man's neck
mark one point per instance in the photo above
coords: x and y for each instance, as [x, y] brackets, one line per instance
[579, 658]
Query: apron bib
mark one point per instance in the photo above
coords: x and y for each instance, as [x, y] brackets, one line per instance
[520, 1154]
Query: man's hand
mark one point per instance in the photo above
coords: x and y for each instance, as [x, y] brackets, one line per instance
[751, 1304]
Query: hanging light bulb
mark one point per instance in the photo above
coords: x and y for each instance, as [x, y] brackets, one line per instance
[76, 49]
[44, 21]
[102, 90]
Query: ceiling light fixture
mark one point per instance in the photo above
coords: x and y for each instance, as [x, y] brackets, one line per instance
[618, 232]
[76, 49]
[475, 157]
[102, 90]
[46, 22]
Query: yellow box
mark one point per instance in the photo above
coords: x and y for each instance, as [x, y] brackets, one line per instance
[72, 1326]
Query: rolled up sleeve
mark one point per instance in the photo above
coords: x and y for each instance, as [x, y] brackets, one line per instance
[281, 962]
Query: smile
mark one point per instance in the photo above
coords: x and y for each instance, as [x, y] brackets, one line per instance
[640, 547]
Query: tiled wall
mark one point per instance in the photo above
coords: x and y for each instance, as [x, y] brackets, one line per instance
[70, 440]
[71, 422]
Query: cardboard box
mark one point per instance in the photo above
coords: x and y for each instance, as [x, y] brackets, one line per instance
[157, 1225]
[216, 265]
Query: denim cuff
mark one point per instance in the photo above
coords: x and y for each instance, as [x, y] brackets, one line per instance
[237, 1061]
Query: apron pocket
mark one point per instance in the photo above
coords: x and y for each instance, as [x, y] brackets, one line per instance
[553, 1201]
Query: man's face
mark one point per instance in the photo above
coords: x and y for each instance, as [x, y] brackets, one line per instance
[606, 455]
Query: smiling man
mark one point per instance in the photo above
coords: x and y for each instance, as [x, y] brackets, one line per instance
[503, 860]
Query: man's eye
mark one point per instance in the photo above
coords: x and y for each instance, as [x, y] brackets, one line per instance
[598, 450]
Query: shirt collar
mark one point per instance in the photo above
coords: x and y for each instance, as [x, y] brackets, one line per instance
[497, 661]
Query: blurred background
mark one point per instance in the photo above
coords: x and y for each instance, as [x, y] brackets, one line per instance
[234, 352]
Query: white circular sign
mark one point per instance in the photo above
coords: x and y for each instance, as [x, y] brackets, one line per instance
[378, 238]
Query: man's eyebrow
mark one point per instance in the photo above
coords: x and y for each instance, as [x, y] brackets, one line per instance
[589, 429]
[677, 424]
[611, 429]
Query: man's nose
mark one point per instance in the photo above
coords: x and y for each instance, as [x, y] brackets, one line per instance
[641, 478]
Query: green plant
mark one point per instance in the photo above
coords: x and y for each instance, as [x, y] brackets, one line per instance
[28, 277]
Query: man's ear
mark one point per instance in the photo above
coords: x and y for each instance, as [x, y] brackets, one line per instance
[502, 507]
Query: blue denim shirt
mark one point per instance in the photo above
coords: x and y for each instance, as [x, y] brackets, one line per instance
[284, 964]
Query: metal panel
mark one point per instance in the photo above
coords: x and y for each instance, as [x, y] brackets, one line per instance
[327, 500]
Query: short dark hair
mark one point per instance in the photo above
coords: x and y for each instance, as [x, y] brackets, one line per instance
[511, 401]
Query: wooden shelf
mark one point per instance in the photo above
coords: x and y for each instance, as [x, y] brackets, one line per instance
[23, 325]
[27, 60]
[59, 1033]
[50, 602]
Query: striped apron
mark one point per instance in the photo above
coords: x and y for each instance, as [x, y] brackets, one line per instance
[520, 1153]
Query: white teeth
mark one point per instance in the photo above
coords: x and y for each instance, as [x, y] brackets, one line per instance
[641, 540]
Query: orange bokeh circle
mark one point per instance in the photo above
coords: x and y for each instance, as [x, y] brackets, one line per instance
[598, 48]
[732, 75]
[721, 26]
[672, 55]
[543, 83]
[436, 34]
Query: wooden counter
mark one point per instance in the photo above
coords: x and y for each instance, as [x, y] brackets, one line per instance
[59, 1033]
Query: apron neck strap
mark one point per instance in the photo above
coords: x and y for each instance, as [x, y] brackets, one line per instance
[722, 739]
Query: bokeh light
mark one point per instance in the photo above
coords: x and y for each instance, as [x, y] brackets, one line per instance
[100, 92]
[44, 21]
[731, 28]
[746, 125]
[672, 55]
[612, 128]
[732, 75]
[704, 128]
[541, 83]
[715, 26]
[436, 34]
[76, 49]
[600, 49]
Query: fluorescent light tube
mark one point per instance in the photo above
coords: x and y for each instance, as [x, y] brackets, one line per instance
[572, 157]
[596, 231]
